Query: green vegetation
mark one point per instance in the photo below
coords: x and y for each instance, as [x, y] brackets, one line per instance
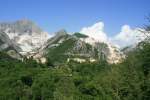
[28, 80]
[56, 54]
[79, 35]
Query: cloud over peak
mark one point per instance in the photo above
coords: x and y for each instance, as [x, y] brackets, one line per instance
[95, 31]
[127, 36]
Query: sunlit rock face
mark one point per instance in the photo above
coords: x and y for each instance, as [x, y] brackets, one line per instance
[9, 46]
[26, 34]
[97, 37]
[112, 52]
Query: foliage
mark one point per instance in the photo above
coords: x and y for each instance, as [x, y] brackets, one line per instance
[79, 35]
[56, 54]
[29, 80]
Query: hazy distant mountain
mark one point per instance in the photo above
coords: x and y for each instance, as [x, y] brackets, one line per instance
[26, 34]
[21, 26]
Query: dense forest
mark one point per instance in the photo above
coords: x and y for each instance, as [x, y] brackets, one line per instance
[29, 80]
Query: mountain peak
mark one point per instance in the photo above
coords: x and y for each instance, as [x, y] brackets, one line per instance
[61, 32]
[25, 33]
[24, 21]
[20, 26]
[26, 25]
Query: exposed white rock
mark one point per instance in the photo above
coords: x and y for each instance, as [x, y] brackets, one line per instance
[96, 34]
[77, 60]
[114, 56]
[89, 40]
[43, 60]
[26, 34]
[92, 60]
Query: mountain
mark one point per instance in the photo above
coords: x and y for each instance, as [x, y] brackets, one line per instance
[9, 46]
[26, 38]
[64, 47]
[26, 34]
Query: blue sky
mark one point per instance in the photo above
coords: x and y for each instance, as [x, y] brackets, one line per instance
[72, 15]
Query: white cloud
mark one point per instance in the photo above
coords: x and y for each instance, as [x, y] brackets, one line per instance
[96, 31]
[128, 36]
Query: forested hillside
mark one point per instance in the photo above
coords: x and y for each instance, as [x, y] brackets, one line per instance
[29, 80]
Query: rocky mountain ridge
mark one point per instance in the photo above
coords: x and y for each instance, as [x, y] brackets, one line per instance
[65, 47]
[62, 47]
[26, 34]
[9, 46]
